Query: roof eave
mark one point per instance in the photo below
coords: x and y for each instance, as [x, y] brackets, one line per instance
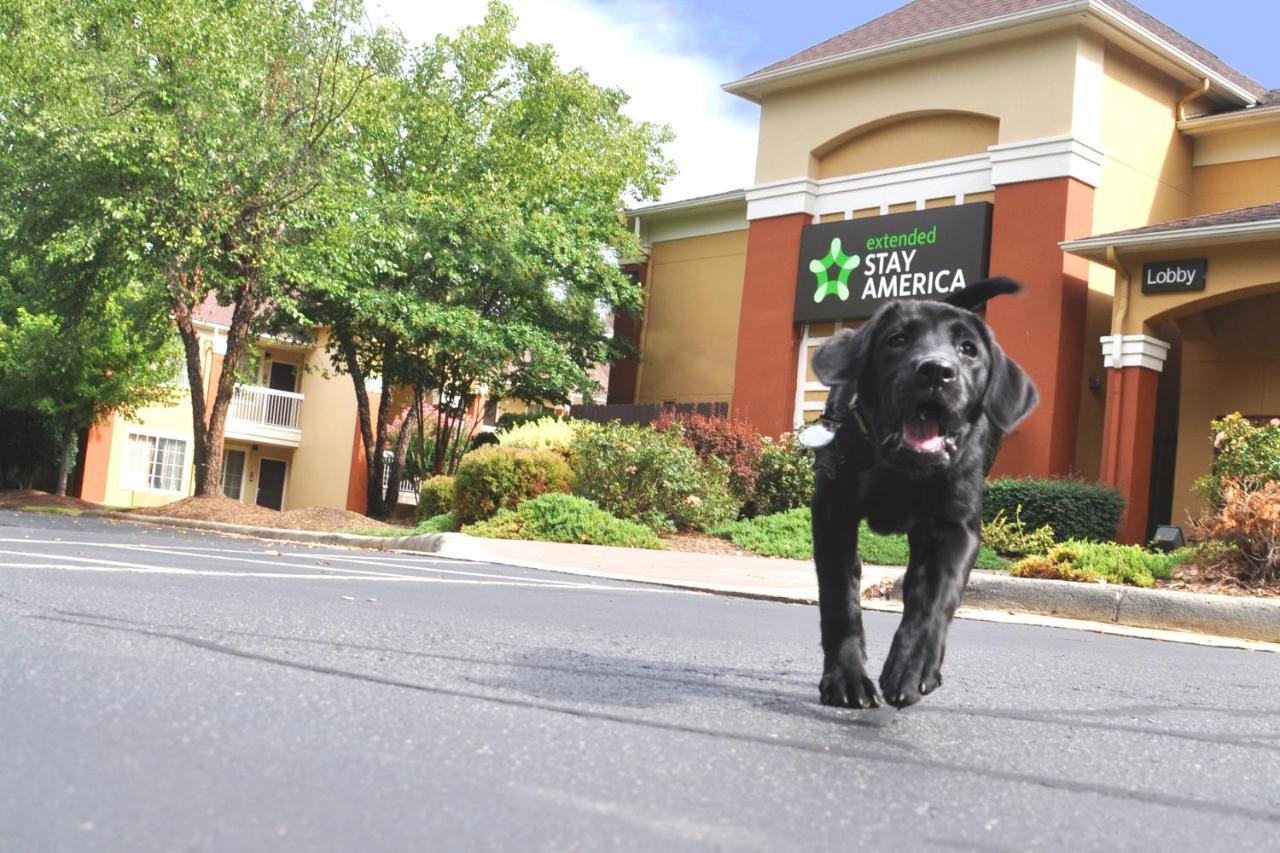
[720, 199]
[1218, 122]
[1095, 248]
[751, 87]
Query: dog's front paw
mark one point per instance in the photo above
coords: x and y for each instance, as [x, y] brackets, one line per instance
[846, 685]
[913, 669]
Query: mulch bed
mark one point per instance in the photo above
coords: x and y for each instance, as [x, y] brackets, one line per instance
[702, 543]
[1199, 579]
[229, 511]
[20, 498]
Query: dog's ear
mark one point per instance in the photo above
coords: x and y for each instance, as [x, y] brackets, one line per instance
[843, 357]
[976, 295]
[1010, 395]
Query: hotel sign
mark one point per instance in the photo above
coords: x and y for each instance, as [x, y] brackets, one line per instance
[852, 267]
[1174, 276]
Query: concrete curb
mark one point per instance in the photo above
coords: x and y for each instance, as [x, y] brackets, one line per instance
[428, 543]
[1219, 615]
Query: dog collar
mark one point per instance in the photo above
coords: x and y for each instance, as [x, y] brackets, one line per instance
[823, 431]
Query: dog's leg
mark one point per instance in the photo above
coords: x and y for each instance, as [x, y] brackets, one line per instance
[941, 558]
[835, 551]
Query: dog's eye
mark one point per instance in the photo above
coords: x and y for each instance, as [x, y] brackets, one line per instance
[968, 348]
[898, 340]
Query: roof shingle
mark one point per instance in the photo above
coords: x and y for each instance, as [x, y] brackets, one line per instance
[923, 17]
[1239, 216]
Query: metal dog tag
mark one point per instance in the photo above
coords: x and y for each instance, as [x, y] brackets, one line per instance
[816, 435]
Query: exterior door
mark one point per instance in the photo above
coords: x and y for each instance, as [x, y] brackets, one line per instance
[283, 377]
[271, 483]
[232, 473]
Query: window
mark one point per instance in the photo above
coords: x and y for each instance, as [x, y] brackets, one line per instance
[232, 473]
[155, 464]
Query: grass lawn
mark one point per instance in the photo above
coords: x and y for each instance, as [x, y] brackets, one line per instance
[442, 523]
[788, 534]
[52, 510]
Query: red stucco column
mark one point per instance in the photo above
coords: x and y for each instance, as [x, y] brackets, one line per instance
[97, 458]
[1127, 439]
[1134, 363]
[1043, 328]
[625, 372]
[764, 376]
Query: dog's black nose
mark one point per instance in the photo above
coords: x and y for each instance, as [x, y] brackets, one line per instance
[936, 371]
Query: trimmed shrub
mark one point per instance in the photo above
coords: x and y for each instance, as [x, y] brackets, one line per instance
[442, 523]
[1099, 561]
[790, 534]
[546, 433]
[564, 518]
[1241, 539]
[511, 420]
[650, 477]
[784, 475]
[1246, 455]
[1074, 509]
[1013, 539]
[494, 478]
[734, 441]
[435, 496]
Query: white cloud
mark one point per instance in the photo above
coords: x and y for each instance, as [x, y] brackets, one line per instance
[639, 47]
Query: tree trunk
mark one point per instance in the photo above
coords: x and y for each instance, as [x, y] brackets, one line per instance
[392, 496]
[379, 464]
[64, 458]
[245, 301]
[195, 380]
[373, 491]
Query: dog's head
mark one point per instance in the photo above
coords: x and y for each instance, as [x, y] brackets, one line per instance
[926, 373]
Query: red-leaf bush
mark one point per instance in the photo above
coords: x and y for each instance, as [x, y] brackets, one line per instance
[1243, 533]
[732, 441]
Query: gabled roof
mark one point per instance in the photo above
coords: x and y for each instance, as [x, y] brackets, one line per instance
[1246, 223]
[921, 19]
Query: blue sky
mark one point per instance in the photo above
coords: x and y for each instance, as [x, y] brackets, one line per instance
[672, 56]
[753, 33]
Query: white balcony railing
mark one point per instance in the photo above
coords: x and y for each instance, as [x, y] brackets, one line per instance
[408, 488]
[265, 414]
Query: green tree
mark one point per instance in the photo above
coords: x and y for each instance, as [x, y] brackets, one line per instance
[80, 333]
[220, 123]
[481, 252]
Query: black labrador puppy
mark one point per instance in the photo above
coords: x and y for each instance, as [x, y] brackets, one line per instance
[918, 395]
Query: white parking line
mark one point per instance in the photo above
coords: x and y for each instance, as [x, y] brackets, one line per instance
[171, 570]
[276, 561]
[68, 562]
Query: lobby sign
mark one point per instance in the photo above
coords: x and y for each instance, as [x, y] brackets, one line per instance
[852, 267]
[1174, 276]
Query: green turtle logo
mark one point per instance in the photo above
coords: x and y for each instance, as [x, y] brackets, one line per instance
[821, 268]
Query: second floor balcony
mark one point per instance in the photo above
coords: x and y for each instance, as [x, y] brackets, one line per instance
[265, 415]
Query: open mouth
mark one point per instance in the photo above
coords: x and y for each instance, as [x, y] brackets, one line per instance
[923, 433]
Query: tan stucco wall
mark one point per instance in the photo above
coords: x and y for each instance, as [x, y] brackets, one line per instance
[167, 421]
[1146, 175]
[693, 298]
[1235, 369]
[1027, 84]
[319, 470]
[1093, 402]
[1234, 271]
[1227, 186]
[915, 139]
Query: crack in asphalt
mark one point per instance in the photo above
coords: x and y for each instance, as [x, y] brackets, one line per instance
[830, 750]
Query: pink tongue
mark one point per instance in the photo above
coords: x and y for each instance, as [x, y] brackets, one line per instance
[922, 435]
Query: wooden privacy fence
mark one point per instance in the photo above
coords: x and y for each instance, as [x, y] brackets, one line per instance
[644, 413]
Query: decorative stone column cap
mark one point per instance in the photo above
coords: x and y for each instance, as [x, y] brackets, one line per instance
[1134, 351]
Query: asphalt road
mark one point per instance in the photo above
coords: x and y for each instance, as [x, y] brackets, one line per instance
[171, 691]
